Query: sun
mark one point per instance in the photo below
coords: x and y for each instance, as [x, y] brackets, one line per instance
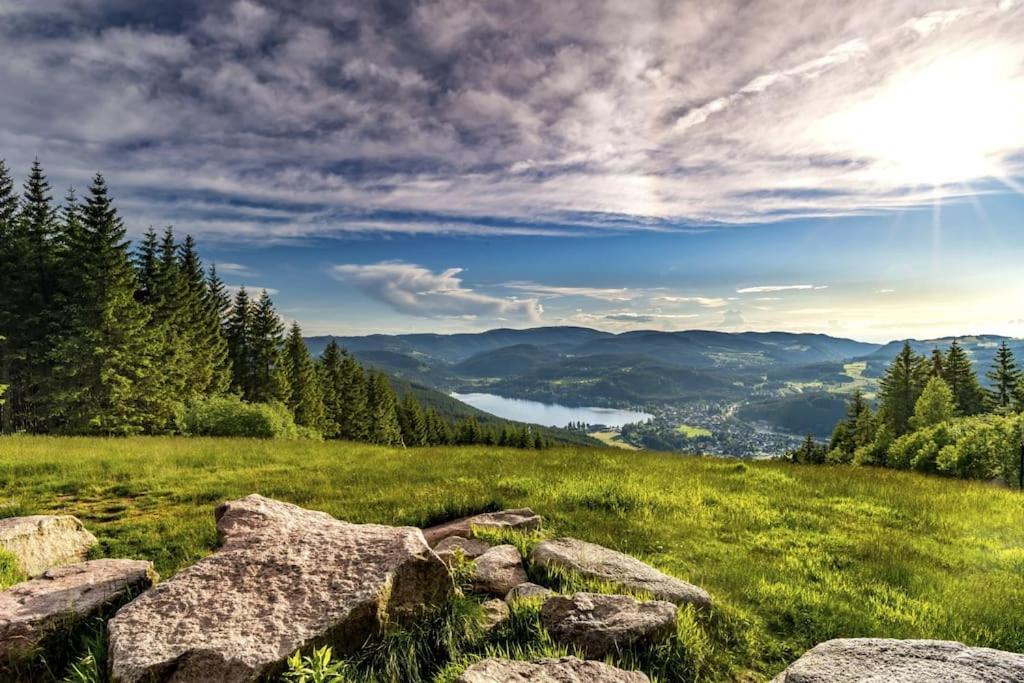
[949, 121]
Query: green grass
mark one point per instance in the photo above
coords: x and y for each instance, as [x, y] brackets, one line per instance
[793, 554]
[691, 432]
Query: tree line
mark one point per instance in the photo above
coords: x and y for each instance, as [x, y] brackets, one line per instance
[99, 338]
[933, 415]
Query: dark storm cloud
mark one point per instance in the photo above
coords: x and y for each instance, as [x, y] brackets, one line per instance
[281, 119]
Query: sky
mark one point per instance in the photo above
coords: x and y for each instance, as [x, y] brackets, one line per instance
[825, 166]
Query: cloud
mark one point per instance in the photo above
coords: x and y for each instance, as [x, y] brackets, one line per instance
[253, 290]
[414, 290]
[233, 269]
[266, 120]
[647, 317]
[601, 293]
[759, 289]
[733, 318]
[706, 301]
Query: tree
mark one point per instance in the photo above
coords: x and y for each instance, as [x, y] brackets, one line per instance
[332, 384]
[105, 361]
[935, 405]
[381, 403]
[958, 372]
[936, 364]
[848, 434]
[209, 365]
[147, 263]
[810, 452]
[1005, 377]
[238, 333]
[900, 388]
[8, 211]
[354, 402]
[266, 344]
[306, 401]
[413, 422]
[217, 292]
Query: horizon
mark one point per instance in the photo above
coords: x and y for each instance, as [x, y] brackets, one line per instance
[439, 167]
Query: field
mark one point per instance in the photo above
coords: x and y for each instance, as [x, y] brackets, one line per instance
[793, 554]
[614, 439]
[691, 432]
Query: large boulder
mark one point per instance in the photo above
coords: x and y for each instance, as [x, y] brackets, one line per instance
[880, 660]
[598, 624]
[593, 561]
[470, 548]
[41, 542]
[521, 519]
[284, 578]
[61, 597]
[498, 570]
[564, 670]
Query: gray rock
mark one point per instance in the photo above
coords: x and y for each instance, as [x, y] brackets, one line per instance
[284, 578]
[498, 570]
[880, 660]
[564, 670]
[33, 610]
[470, 548]
[528, 590]
[522, 519]
[597, 562]
[495, 613]
[41, 542]
[598, 624]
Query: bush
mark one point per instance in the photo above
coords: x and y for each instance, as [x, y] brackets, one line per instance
[231, 416]
[983, 447]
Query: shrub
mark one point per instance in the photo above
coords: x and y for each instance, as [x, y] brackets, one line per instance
[231, 416]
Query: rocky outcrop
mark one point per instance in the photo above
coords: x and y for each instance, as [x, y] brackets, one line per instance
[284, 578]
[498, 571]
[60, 597]
[598, 624]
[593, 561]
[470, 548]
[525, 591]
[905, 661]
[522, 519]
[564, 670]
[41, 542]
[495, 613]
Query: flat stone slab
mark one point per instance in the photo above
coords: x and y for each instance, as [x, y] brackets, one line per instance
[598, 624]
[41, 542]
[284, 578]
[604, 564]
[525, 591]
[523, 519]
[32, 610]
[564, 670]
[470, 548]
[498, 570]
[880, 660]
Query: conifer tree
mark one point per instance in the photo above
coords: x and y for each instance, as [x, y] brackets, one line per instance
[147, 261]
[306, 401]
[958, 372]
[239, 336]
[266, 343]
[413, 422]
[900, 388]
[1005, 377]
[8, 266]
[383, 416]
[168, 305]
[332, 384]
[105, 361]
[210, 374]
[937, 364]
[217, 292]
[355, 415]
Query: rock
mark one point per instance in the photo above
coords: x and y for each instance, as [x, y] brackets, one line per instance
[284, 578]
[496, 613]
[41, 542]
[597, 562]
[907, 661]
[32, 610]
[522, 519]
[524, 591]
[564, 670]
[498, 571]
[471, 548]
[598, 624]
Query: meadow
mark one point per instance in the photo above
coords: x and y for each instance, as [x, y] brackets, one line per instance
[793, 554]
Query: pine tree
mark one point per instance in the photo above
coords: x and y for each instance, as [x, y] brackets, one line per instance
[937, 364]
[958, 372]
[354, 413]
[210, 373]
[266, 342]
[217, 293]
[935, 405]
[381, 402]
[413, 422]
[332, 384]
[167, 301]
[8, 269]
[845, 439]
[306, 401]
[105, 361]
[1005, 377]
[239, 336]
[900, 388]
[147, 262]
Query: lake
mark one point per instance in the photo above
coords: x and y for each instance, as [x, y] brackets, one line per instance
[549, 414]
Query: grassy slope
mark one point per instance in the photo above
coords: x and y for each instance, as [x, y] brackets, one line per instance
[794, 555]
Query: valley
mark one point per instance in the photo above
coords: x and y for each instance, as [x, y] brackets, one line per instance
[750, 394]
